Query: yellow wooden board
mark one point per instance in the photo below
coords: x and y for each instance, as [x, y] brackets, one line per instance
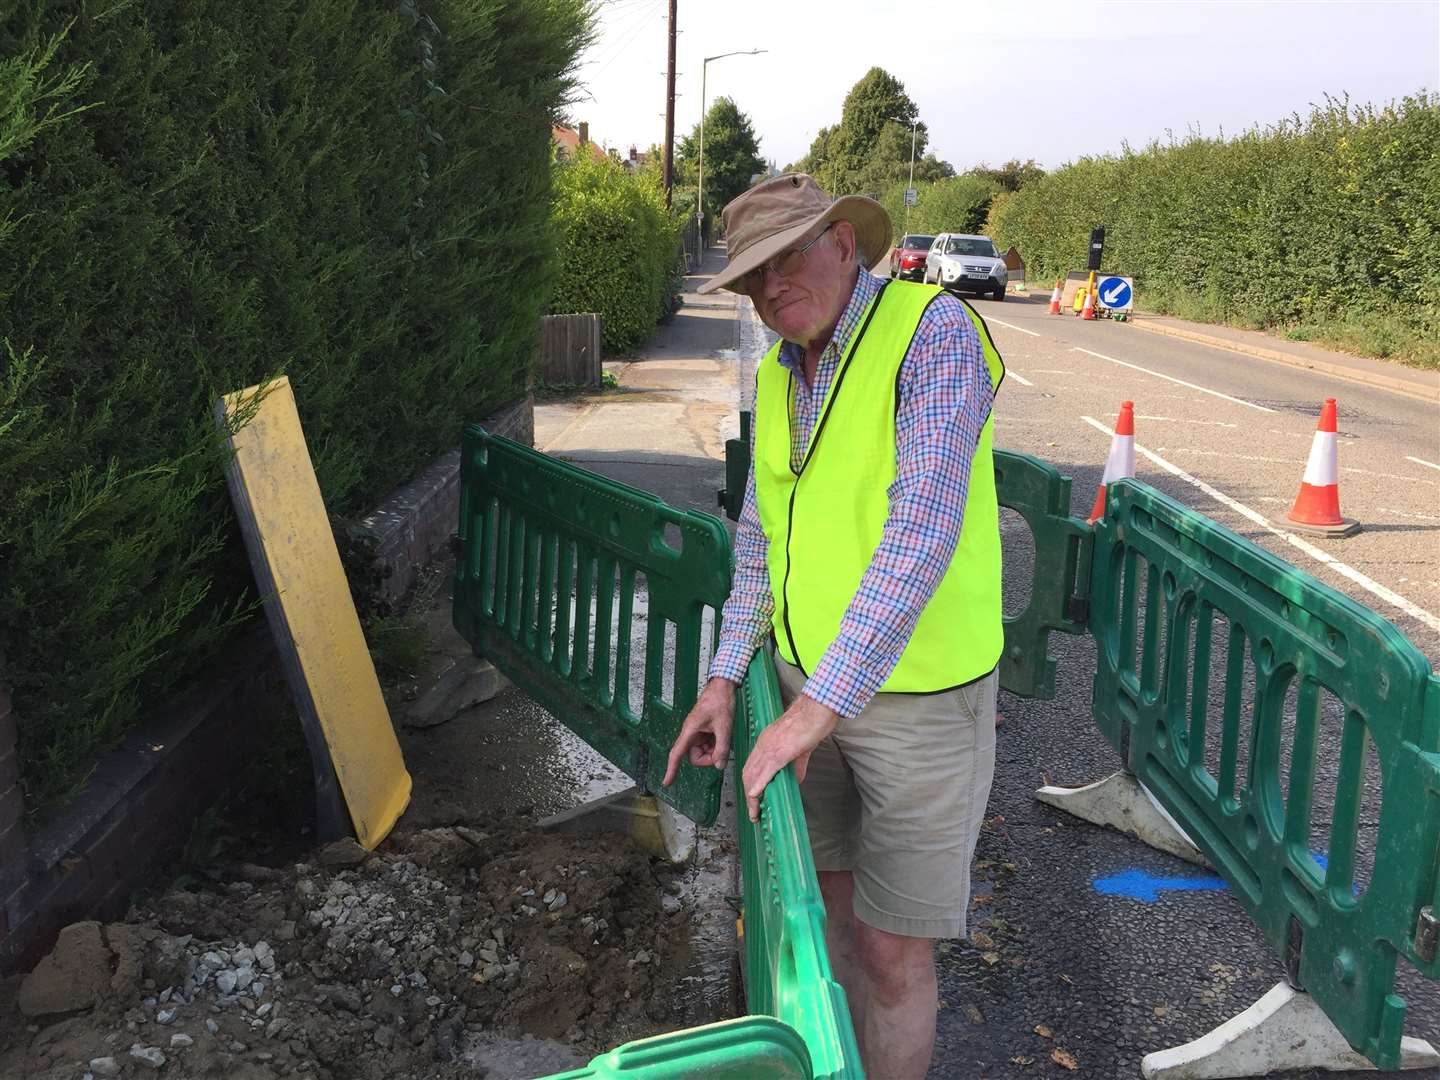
[307, 601]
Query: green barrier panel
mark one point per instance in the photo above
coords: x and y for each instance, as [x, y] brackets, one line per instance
[744, 1049]
[1060, 585]
[1059, 596]
[1171, 591]
[787, 970]
[737, 470]
[545, 588]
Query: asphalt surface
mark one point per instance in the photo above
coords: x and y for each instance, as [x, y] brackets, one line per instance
[1108, 978]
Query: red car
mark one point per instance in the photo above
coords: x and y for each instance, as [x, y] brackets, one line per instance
[908, 259]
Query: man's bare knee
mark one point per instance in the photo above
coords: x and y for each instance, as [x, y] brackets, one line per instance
[837, 887]
[896, 965]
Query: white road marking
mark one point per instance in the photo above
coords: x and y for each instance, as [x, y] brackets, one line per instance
[1225, 454]
[1051, 371]
[1420, 461]
[1406, 514]
[1012, 326]
[1183, 420]
[1368, 584]
[1013, 374]
[1390, 475]
[1171, 378]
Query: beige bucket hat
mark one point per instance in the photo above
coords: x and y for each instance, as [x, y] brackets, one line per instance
[772, 215]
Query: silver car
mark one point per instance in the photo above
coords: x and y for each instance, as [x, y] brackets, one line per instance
[963, 262]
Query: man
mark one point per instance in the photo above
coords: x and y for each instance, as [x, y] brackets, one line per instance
[869, 548]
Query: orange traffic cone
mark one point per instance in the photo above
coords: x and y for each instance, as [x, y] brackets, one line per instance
[1055, 298]
[1317, 506]
[1121, 462]
[1089, 311]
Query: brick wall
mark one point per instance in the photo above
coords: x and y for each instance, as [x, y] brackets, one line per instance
[140, 804]
[414, 525]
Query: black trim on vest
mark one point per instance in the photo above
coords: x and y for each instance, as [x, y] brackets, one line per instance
[815, 442]
[901, 366]
[989, 338]
[948, 689]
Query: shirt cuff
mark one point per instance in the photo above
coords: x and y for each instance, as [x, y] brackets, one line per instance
[731, 661]
[841, 683]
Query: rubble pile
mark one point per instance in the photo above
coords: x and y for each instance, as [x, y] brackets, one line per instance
[443, 953]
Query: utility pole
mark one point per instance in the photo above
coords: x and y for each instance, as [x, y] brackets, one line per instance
[670, 112]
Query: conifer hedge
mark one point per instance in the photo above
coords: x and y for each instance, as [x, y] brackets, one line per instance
[1328, 226]
[196, 195]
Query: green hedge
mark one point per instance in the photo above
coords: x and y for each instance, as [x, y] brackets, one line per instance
[352, 193]
[618, 246]
[1328, 227]
[955, 204]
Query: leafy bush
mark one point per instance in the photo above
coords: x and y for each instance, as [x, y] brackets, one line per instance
[619, 248]
[1326, 224]
[956, 204]
[353, 194]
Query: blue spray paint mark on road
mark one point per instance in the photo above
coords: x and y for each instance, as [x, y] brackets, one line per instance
[1138, 885]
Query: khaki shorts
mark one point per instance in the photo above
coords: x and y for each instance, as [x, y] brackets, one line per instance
[897, 795]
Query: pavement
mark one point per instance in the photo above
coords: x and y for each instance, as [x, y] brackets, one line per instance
[1068, 973]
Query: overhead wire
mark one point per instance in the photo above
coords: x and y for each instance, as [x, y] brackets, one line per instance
[642, 16]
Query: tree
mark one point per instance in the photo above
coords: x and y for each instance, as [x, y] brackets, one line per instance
[869, 150]
[1011, 176]
[732, 156]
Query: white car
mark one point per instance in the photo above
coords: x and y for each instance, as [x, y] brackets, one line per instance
[963, 262]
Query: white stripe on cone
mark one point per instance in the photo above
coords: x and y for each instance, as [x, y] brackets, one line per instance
[1120, 461]
[1120, 464]
[1321, 467]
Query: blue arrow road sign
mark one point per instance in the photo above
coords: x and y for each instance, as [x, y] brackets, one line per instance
[1115, 292]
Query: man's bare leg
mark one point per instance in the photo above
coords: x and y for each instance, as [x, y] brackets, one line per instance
[838, 889]
[899, 1023]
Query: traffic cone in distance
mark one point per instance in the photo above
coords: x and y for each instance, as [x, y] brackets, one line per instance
[1121, 462]
[1055, 298]
[1088, 313]
[1317, 506]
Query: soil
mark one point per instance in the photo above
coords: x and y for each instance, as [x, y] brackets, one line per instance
[462, 950]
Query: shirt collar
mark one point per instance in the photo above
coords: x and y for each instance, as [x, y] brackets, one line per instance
[792, 354]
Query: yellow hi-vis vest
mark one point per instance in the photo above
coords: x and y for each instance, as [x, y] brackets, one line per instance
[824, 521]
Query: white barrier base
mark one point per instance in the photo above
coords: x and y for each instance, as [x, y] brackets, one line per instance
[1121, 802]
[1284, 1030]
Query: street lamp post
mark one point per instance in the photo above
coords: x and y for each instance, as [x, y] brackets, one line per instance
[914, 124]
[700, 186]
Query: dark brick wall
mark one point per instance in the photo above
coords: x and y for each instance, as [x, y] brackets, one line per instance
[413, 526]
[143, 798]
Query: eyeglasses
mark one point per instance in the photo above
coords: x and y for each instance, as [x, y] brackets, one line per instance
[786, 264]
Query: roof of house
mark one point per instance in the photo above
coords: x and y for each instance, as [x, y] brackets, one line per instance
[568, 139]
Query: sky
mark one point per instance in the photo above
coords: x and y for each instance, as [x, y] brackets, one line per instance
[1005, 79]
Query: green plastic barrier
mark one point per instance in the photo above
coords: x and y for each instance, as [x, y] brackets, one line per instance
[1170, 589]
[545, 588]
[1060, 587]
[744, 1049]
[787, 970]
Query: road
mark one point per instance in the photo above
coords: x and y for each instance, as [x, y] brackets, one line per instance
[1109, 970]
[1241, 427]
[1091, 947]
